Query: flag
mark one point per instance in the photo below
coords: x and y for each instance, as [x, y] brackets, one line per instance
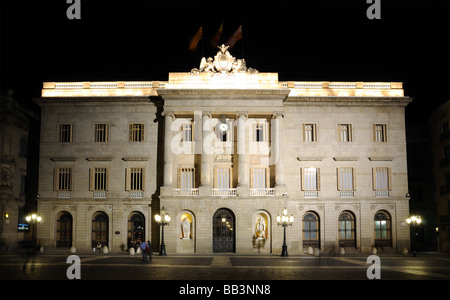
[193, 43]
[237, 35]
[215, 39]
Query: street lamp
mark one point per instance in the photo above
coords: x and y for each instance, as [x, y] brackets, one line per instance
[163, 220]
[33, 219]
[284, 221]
[414, 221]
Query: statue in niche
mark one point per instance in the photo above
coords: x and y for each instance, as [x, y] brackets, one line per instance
[260, 228]
[185, 229]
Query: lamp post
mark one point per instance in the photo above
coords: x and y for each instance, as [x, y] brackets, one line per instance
[163, 220]
[33, 219]
[284, 221]
[414, 221]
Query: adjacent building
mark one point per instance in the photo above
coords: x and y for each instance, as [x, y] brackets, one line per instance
[224, 149]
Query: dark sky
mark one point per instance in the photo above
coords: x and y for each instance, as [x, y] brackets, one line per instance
[301, 40]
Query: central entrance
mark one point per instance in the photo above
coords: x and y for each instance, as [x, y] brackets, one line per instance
[223, 231]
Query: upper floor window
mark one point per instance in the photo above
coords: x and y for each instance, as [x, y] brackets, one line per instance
[101, 133]
[135, 179]
[137, 133]
[62, 180]
[309, 133]
[98, 179]
[345, 132]
[379, 133]
[310, 179]
[65, 133]
[187, 132]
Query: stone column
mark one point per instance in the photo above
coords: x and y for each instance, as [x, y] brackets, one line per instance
[277, 153]
[243, 169]
[207, 156]
[167, 188]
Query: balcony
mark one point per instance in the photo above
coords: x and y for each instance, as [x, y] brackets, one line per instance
[136, 195]
[381, 194]
[99, 195]
[224, 192]
[346, 194]
[262, 192]
[311, 194]
[185, 192]
[64, 194]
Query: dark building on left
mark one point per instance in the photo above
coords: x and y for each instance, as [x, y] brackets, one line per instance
[19, 165]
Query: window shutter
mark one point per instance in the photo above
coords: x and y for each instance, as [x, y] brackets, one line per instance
[127, 179]
[143, 179]
[302, 171]
[389, 178]
[318, 178]
[374, 179]
[91, 179]
[55, 179]
[338, 171]
[354, 178]
[107, 179]
[142, 133]
[70, 179]
[130, 133]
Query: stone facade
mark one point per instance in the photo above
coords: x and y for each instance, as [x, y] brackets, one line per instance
[226, 149]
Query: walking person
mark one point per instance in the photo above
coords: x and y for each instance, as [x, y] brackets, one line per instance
[149, 250]
[144, 247]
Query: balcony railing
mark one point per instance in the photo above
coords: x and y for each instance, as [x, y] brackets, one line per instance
[346, 194]
[262, 192]
[64, 194]
[99, 194]
[224, 192]
[185, 192]
[311, 194]
[136, 195]
[381, 194]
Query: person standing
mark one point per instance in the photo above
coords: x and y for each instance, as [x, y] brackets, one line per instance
[144, 247]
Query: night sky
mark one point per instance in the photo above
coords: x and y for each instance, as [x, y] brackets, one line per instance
[301, 40]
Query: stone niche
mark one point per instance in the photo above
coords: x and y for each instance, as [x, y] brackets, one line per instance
[185, 232]
[261, 232]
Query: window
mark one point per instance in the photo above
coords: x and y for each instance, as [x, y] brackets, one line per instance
[98, 179]
[310, 230]
[379, 133]
[137, 133]
[259, 133]
[135, 179]
[62, 179]
[186, 178]
[381, 179]
[310, 179]
[187, 132]
[382, 228]
[346, 179]
[258, 178]
[345, 132]
[347, 229]
[65, 133]
[309, 133]
[101, 133]
[223, 178]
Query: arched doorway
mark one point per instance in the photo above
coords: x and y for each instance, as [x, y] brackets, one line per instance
[64, 222]
[311, 236]
[347, 231]
[382, 228]
[100, 224]
[224, 231]
[136, 226]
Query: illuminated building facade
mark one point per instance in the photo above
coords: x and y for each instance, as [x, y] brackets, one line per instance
[224, 149]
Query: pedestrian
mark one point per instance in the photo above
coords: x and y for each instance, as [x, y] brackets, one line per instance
[144, 247]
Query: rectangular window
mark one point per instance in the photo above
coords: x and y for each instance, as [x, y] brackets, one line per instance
[345, 132]
[187, 132]
[346, 179]
[310, 179]
[135, 179]
[379, 133]
[65, 133]
[62, 180]
[223, 178]
[258, 178]
[381, 179]
[136, 133]
[309, 133]
[101, 133]
[186, 178]
[99, 179]
[259, 133]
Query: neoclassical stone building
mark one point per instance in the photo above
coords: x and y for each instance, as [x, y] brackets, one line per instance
[224, 149]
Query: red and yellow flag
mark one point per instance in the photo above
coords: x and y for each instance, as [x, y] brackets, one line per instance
[193, 43]
[237, 35]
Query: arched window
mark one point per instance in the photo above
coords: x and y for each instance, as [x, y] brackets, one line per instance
[64, 230]
[311, 230]
[136, 226]
[347, 237]
[382, 227]
[100, 225]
